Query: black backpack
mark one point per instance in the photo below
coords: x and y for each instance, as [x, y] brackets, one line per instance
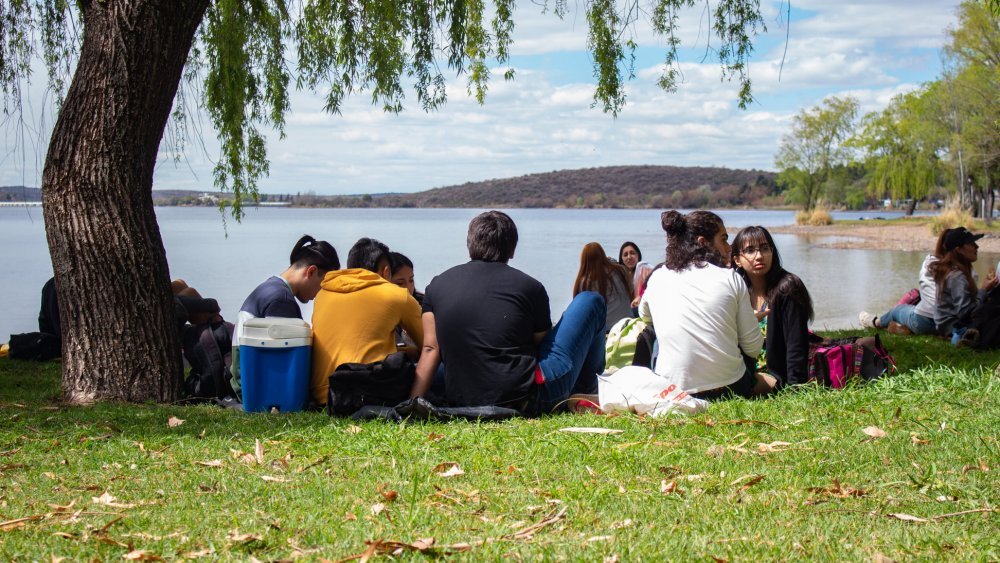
[37, 346]
[209, 350]
[385, 383]
[986, 319]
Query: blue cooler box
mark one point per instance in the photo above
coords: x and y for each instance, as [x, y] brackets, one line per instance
[275, 364]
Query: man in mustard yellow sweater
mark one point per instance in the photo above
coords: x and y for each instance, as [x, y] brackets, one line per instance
[356, 314]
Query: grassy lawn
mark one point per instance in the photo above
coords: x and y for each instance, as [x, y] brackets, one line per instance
[791, 477]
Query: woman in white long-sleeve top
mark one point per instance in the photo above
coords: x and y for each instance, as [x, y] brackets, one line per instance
[701, 313]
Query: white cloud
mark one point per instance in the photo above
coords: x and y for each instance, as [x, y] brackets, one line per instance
[543, 120]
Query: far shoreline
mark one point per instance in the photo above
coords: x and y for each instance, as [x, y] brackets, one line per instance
[891, 234]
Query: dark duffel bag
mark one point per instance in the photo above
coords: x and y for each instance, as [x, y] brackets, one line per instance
[37, 346]
[385, 383]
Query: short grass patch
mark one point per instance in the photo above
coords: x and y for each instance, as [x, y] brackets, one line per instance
[930, 221]
[902, 468]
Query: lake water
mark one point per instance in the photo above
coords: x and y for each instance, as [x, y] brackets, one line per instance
[842, 282]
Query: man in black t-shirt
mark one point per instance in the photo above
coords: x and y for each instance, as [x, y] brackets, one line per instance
[490, 325]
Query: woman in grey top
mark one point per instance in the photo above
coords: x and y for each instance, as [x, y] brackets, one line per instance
[957, 296]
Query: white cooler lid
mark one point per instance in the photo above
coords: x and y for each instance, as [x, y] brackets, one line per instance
[276, 331]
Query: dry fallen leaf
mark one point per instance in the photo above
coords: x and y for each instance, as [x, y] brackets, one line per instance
[773, 447]
[448, 469]
[838, 490]
[174, 422]
[590, 430]
[390, 496]
[623, 524]
[434, 437]
[350, 517]
[377, 508]
[244, 457]
[593, 539]
[63, 508]
[908, 517]
[273, 479]
[353, 429]
[917, 441]
[140, 555]
[198, 554]
[748, 481]
[669, 488]
[258, 452]
[236, 536]
[108, 500]
[716, 450]
[210, 463]
[874, 432]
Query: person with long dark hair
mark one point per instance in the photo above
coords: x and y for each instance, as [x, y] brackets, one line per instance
[280, 295]
[782, 306]
[701, 313]
[956, 287]
[629, 255]
[599, 274]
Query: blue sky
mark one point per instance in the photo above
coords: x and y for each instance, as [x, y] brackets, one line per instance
[542, 120]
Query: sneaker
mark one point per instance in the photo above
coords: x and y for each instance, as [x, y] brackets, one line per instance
[968, 339]
[584, 403]
[899, 329]
[866, 319]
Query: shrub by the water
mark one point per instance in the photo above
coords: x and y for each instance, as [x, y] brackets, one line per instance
[953, 215]
[817, 217]
[820, 216]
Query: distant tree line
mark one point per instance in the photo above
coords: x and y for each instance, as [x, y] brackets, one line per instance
[940, 140]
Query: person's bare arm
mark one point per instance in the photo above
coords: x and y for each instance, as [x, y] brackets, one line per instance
[430, 358]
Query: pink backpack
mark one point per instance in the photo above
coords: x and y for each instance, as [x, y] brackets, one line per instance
[834, 362]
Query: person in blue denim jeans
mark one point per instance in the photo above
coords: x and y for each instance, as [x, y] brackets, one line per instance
[914, 318]
[489, 324]
[905, 318]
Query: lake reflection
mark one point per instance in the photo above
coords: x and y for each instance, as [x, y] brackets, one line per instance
[842, 282]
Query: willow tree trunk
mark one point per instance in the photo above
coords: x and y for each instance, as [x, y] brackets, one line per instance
[119, 333]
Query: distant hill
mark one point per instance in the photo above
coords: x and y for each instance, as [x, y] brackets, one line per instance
[20, 193]
[608, 187]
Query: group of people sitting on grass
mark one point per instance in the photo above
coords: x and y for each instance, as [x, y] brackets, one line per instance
[728, 318]
[947, 294]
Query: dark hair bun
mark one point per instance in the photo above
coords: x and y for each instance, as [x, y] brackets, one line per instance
[673, 223]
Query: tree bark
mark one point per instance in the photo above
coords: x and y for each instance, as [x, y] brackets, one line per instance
[119, 332]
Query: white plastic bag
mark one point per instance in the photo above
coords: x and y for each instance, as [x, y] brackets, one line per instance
[640, 390]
